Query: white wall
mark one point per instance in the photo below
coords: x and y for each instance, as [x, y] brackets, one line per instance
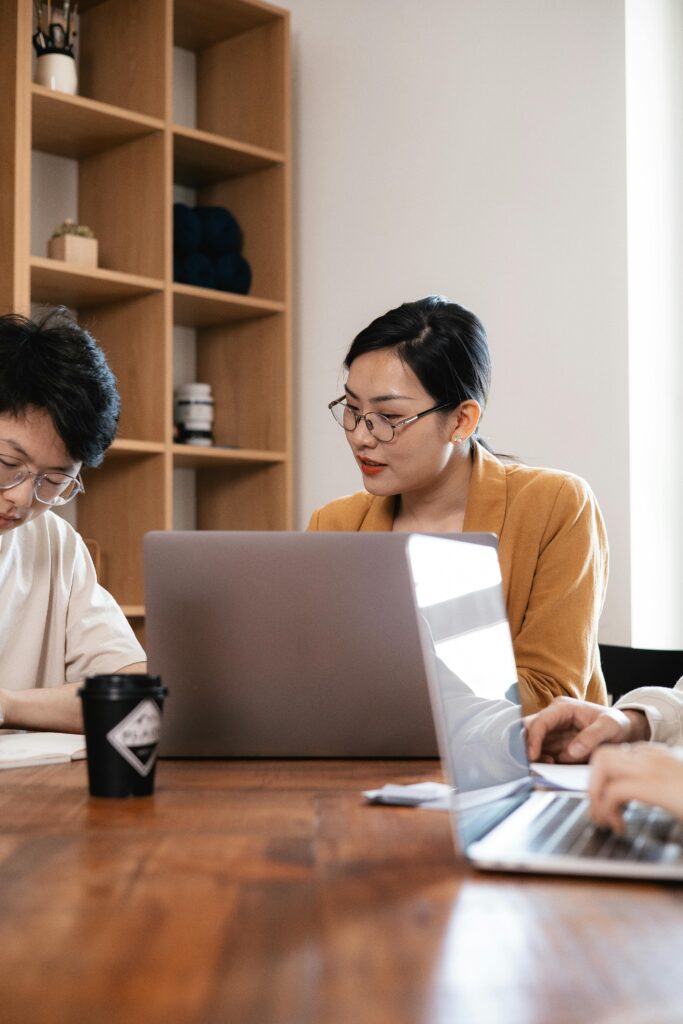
[654, 45]
[474, 148]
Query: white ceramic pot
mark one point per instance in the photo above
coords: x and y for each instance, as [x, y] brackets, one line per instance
[57, 71]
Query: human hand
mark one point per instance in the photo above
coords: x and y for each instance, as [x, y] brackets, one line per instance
[649, 772]
[568, 730]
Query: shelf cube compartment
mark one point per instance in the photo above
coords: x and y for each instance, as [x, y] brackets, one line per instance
[243, 498]
[124, 499]
[132, 334]
[123, 53]
[241, 69]
[246, 365]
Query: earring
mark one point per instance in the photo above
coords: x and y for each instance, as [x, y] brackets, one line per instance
[456, 440]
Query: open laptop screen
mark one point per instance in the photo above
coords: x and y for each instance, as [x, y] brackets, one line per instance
[473, 679]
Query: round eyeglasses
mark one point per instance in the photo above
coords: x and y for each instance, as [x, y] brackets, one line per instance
[379, 426]
[49, 488]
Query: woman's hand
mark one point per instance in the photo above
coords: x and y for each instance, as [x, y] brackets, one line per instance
[568, 730]
[649, 772]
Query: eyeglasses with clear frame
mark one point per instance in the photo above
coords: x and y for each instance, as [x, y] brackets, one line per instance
[379, 426]
[49, 488]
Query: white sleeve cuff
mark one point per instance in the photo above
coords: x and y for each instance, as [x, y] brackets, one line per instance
[663, 709]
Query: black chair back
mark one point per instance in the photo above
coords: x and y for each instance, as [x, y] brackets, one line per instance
[625, 668]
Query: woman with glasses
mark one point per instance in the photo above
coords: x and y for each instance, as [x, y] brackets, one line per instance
[59, 409]
[417, 383]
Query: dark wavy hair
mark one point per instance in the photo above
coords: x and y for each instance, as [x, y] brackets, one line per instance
[442, 343]
[56, 365]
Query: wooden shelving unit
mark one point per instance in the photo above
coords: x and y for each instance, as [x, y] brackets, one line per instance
[130, 154]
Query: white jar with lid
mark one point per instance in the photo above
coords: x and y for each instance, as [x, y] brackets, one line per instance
[193, 411]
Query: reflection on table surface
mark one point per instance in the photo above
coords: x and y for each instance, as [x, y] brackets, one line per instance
[270, 892]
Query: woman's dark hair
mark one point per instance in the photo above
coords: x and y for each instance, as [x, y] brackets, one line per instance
[55, 365]
[443, 344]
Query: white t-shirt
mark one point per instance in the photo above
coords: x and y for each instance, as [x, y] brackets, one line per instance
[57, 624]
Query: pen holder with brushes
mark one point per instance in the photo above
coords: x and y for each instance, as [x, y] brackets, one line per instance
[53, 42]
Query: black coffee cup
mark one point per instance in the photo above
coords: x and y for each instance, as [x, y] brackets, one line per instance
[122, 721]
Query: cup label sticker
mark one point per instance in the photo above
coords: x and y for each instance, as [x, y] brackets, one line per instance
[136, 736]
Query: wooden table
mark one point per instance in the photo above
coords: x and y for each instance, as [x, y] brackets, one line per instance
[269, 893]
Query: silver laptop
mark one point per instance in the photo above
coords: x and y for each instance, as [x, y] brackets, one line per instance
[499, 821]
[287, 645]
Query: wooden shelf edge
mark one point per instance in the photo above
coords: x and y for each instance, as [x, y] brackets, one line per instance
[194, 456]
[100, 274]
[97, 107]
[212, 295]
[228, 144]
[225, 20]
[128, 446]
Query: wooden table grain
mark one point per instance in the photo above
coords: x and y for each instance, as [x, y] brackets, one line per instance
[269, 893]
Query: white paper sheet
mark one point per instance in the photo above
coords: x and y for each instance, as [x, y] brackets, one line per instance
[23, 749]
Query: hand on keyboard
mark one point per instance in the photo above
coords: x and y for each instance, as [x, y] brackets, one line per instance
[648, 772]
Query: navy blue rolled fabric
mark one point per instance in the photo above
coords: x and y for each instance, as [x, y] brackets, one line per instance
[233, 273]
[220, 232]
[187, 232]
[195, 268]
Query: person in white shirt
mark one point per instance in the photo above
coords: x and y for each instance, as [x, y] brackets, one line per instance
[623, 765]
[59, 409]
[568, 731]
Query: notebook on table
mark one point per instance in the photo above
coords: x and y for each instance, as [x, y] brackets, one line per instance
[20, 749]
[287, 644]
[499, 821]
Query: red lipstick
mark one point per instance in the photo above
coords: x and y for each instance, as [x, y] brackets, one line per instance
[371, 468]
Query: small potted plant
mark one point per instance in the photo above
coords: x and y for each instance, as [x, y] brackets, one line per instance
[74, 243]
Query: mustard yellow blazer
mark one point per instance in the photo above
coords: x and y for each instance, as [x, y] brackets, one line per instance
[553, 556]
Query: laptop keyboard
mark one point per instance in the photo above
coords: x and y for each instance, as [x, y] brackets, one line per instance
[565, 827]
